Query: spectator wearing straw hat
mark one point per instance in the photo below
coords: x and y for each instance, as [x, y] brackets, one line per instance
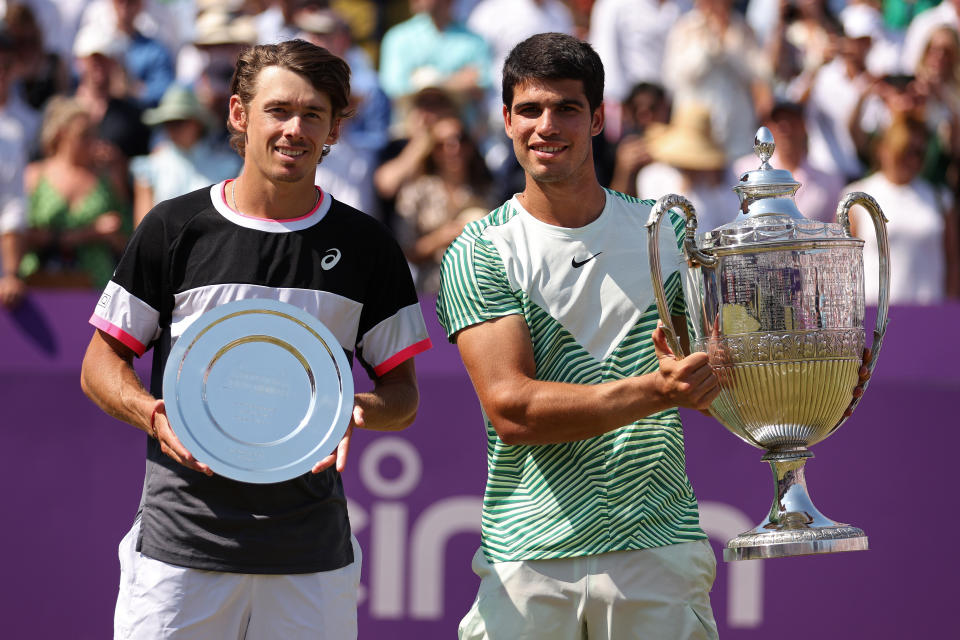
[690, 162]
[221, 31]
[185, 159]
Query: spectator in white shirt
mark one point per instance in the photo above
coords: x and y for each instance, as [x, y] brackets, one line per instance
[922, 227]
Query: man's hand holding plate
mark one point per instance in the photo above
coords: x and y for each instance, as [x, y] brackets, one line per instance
[169, 442]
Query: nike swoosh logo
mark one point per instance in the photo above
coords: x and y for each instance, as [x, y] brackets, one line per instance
[577, 265]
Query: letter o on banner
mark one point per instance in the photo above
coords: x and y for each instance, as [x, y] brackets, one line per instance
[410, 467]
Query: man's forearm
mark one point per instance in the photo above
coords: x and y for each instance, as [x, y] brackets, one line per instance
[11, 250]
[110, 381]
[524, 409]
[552, 412]
[392, 405]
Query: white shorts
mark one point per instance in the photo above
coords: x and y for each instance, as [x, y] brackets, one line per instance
[653, 594]
[160, 600]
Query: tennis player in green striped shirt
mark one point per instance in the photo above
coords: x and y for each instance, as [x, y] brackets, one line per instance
[590, 528]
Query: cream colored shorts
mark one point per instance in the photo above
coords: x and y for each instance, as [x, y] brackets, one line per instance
[162, 601]
[652, 594]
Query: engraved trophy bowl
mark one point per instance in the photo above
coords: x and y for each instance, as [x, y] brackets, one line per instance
[776, 300]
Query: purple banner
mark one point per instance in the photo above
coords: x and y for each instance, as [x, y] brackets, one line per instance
[73, 479]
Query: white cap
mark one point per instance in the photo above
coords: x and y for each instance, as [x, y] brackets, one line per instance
[862, 21]
[95, 39]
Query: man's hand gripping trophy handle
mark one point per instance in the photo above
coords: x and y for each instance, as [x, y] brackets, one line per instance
[684, 381]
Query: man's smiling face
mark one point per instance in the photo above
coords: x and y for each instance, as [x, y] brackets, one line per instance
[551, 126]
[286, 125]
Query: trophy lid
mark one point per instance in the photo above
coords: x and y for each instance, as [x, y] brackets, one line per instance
[768, 212]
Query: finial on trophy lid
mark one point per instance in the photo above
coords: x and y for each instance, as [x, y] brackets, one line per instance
[766, 191]
[763, 146]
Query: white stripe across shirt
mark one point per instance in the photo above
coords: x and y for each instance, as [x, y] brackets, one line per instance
[194, 253]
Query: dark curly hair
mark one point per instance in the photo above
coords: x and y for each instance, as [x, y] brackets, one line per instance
[554, 56]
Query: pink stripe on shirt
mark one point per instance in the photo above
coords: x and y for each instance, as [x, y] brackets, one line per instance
[399, 357]
[118, 333]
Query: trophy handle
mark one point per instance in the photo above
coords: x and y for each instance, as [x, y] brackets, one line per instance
[883, 249]
[690, 250]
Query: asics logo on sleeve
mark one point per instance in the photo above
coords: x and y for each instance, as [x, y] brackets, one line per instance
[330, 259]
[577, 264]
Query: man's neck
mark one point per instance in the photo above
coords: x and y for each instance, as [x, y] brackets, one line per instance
[853, 69]
[260, 198]
[563, 205]
[91, 91]
[896, 176]
[441, 18]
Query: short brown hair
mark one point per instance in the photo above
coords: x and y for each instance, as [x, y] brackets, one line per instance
[323, 70]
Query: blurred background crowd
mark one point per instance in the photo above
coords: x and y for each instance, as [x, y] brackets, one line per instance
[110, 106]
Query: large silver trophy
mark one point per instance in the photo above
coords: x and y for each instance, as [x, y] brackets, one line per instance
[777, 302]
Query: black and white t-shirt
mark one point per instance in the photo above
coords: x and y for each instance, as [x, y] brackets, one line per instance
[194, 253]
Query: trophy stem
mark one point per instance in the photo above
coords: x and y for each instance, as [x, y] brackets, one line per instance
[794, 526]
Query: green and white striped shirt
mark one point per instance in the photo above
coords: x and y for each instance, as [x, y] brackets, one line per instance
[587, 298]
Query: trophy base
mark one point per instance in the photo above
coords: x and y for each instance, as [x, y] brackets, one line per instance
[794, 526]
[803, 542]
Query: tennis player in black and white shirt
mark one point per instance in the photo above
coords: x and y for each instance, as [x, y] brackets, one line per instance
[210, 557]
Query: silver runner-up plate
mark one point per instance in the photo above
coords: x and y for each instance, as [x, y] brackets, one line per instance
[259, 390]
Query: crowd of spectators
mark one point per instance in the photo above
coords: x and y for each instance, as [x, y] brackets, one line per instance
[109, 106]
